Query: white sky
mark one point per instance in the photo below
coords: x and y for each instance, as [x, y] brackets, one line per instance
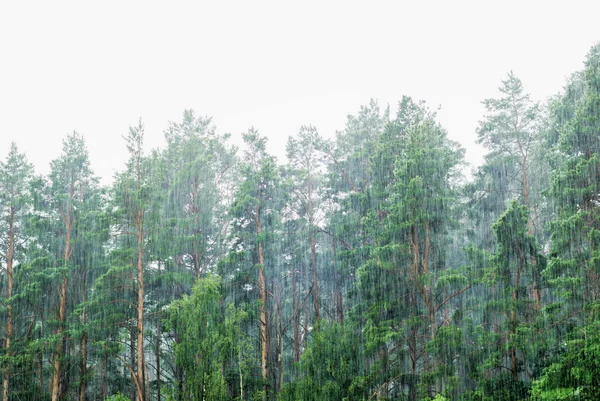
[97, 67]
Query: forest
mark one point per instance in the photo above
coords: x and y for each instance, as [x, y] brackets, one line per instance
[368, 266]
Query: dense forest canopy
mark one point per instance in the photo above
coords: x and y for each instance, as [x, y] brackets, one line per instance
[364, 267]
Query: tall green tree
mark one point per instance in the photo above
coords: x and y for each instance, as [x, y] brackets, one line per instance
[71, 184]
[510, 131]
[133, 192]
[514, 167]
[254, 208]
[573, 269]
[305, 155]
[200, 176]
[349, 182]
[16, 174]
[407, 283]
[509, 314]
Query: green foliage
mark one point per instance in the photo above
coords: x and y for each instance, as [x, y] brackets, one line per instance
[117, 397]
[386, 275]
[210, 339]
[406, 284]
[574, 376]
[573, 267]
[331, 368]
[509, 315]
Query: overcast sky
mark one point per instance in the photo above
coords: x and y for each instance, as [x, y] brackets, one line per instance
[97, 67]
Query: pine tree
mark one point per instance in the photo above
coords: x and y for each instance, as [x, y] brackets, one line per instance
[250, 264]
[71, 184]
[407, 283]
[134, 201]
[573, 269]
[200, 174]
[514, 168]
[16, 174]
[509, 314]
[305, 154]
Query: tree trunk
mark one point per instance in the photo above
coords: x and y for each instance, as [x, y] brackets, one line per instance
[515, 298]
[9, 291]
[65, 378]
[263, 299]
[103, 385]
[158, 338]
[140, 308]
[242, 396]
[60, 347]
[83, 345]
[313, 255]
[536, 274]
[338, 295]
[83, 367]
[296, 318]
[41, 370]
[413, 355]
[133, 387]
[279, 348]
[315, 282]
[178, 372]
[41, 354]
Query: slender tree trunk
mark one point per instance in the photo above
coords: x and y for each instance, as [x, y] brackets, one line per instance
[83, 345]
[412, 350]
[514, 364]
[41, 370]
[315, 281]
[306, 313]
[103, 370]
[515, 298]
[133, 386]
[536, 273]
[242, 396]
[263, 298]
[196, 211]
[140, 307]
[430, 301]
[295, 318]
[525, 187]
[178, 371]
[279, 348]
[9, 291]
[65, 379]
[41, 354]
[196, 260]
[338, 296]
[58, 352]
[83, 367]
[158, 337]
[384, 357]
[60, 347]
[313, 254]
[158, 343]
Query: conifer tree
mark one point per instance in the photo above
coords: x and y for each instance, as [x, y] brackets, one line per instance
[305, 154]
[133, 198]
[16, 174]
[406, 284]
[71, 184]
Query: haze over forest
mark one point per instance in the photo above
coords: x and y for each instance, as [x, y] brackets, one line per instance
[364, 266]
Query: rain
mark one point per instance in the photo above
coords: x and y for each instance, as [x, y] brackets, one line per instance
[385, 258]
